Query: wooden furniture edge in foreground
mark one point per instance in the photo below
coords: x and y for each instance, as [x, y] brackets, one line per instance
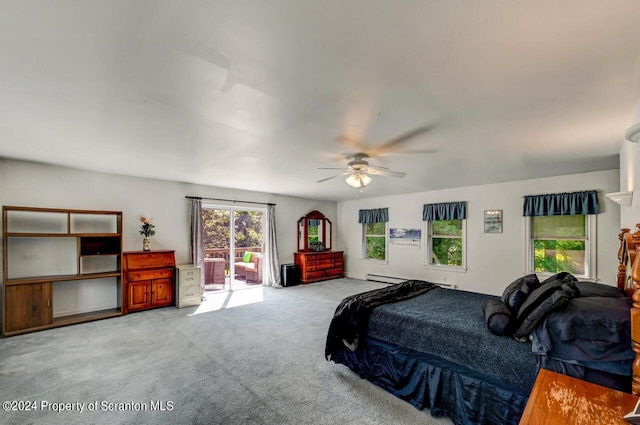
[628, 280]
[635, 316]
[561, 399]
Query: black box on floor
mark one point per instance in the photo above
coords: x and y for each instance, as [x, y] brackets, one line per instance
[289, 274]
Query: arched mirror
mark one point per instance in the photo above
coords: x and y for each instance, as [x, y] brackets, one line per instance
[314, 232]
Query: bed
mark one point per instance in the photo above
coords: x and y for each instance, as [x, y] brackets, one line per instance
[437, 348]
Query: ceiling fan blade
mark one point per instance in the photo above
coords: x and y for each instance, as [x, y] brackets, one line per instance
[387, 147]
[411, 152]
[378, 167]
[386, 173]
[333, 177]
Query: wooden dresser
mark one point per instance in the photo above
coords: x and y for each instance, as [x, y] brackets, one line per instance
[149, 279]
[561, 399]
[316, 266]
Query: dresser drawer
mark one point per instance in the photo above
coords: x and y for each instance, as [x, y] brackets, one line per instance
[314, 274]
[148, 260]
[149, 274]
[188, 277]
[334, 272]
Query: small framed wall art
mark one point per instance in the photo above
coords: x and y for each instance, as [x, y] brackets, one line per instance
[493, 221]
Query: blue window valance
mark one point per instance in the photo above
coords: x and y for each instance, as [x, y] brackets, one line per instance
[378, 215]
[445, 211]
[572, 203]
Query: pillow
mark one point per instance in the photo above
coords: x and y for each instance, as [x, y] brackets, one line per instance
[498, 317]
[541, 302]
[517, 292]
[563, 276]
[247, 258]
[593, 289]
[588, 331]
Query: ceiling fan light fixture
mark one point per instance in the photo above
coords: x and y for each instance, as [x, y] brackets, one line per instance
[358, 180]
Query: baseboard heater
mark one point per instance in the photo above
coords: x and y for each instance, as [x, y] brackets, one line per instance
[392, 279]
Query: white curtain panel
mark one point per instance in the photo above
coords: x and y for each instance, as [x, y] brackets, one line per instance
[272, 266]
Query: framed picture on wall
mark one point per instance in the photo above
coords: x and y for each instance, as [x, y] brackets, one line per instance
[493, 221]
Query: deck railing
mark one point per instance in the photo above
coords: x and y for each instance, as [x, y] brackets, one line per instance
[224, 253]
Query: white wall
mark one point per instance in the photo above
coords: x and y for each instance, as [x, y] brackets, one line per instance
[629, 175]
[493, 260]
[38, 185]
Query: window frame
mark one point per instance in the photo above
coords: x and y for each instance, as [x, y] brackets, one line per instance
[386, 243]
[429, 248]
[590, 246]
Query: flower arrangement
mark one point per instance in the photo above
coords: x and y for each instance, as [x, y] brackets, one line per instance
[147, 227]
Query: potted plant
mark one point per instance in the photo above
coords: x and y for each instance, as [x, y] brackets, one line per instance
[147, 230]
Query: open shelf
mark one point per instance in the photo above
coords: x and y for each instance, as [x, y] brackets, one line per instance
[60, 278]
[45, 247]
[71, 320]
[83, 317]
[99, 245]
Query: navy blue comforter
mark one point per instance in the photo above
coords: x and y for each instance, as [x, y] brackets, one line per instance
[451, 325]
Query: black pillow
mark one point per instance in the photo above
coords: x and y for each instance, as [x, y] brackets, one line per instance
[563, 276]
[498, 317]
[541, 302]
[517, 292]
[593, 289]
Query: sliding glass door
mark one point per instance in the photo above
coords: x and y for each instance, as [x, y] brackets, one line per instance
[233, 243]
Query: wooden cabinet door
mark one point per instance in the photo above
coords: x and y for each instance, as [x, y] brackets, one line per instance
[139, 294]
[162, 292]
[27, 306]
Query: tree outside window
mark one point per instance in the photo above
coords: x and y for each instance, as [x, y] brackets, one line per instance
[446, 242]
[375, 236]
[559, 244]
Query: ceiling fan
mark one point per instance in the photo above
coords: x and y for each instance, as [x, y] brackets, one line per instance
[359, 170]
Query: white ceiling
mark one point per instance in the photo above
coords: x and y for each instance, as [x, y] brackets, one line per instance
[258, 94]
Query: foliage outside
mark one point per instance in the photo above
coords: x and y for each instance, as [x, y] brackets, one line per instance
[446, 242]
[247, 226]
[447, 251]
[559, 256]
[559, 243]
[376, 239]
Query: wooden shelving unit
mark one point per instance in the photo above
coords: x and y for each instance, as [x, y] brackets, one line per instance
[46, 247]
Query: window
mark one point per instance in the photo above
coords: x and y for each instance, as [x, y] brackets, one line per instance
[446, 242]
[375, 241]
[445, 224]
[561, 233]
[374, 233]
[561, 243]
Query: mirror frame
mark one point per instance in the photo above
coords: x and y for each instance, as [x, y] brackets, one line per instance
[303, 231]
